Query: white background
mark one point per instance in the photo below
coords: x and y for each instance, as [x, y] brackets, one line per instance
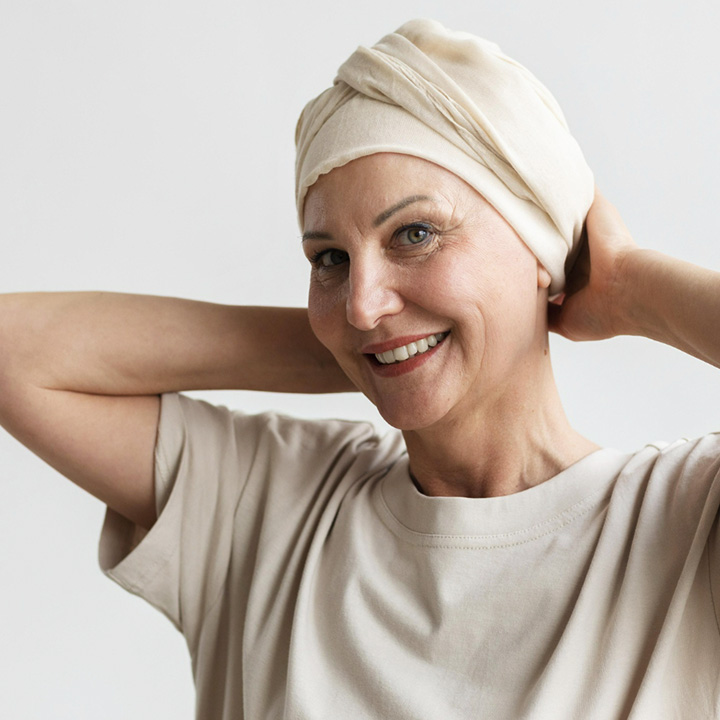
[147, 146]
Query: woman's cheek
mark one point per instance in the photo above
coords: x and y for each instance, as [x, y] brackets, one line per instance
[324, 314]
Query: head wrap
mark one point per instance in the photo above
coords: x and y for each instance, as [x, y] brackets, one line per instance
[456, 100]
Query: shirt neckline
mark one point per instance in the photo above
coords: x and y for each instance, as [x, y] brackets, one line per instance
[497, 521]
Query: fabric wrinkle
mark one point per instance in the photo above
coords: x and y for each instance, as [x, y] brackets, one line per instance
[457, 101]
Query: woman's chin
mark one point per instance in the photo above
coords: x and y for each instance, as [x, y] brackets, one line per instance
[410, 417]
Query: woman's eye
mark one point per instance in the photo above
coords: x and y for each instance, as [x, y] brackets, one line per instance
[414, 235]
[330, 258]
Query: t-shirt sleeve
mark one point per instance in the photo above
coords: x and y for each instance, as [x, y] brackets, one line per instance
[702, 468]
[714, 553]
[202, 458]
[688, 475]
[229, 486]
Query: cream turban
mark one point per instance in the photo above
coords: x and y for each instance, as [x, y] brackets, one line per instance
[454, 99]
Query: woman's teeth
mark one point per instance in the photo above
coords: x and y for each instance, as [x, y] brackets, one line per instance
[405, 352]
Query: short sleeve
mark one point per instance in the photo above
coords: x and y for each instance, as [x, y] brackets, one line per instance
[234, 493]
[714, 554]
[202, 459]
[701, 470]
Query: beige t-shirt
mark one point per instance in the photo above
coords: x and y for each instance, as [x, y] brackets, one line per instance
[312, 580]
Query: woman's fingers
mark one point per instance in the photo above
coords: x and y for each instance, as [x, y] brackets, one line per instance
[589, 308]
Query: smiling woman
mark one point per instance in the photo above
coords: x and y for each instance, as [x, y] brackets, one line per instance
[374, 292]
[484, 559]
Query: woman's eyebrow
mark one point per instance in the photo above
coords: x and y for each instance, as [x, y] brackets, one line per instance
[383, 216]
[379, 220]
[313, 235]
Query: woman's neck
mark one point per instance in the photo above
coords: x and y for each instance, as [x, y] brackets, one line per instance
[517, 440]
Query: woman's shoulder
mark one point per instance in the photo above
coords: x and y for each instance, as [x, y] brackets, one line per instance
[678, 481]
[685, 455]
[195, 421]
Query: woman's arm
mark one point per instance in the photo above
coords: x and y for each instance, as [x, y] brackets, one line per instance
[617, 288]
[80, 375]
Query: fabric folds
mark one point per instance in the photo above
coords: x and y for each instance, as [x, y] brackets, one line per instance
[456, 100]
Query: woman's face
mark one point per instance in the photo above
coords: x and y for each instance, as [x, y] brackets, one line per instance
[426, 297]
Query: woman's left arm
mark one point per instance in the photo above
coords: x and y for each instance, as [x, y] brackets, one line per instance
[617, 288]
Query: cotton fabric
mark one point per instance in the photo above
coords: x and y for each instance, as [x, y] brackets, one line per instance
[312, 580]
[456, 100]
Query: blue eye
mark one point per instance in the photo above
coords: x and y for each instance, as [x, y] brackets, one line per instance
[414, 235]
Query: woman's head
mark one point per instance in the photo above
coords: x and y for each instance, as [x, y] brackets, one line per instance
[408, 259]
[457, 101]
[440, 193]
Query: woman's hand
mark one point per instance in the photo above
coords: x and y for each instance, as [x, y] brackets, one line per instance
[591, 307]
[617, 288]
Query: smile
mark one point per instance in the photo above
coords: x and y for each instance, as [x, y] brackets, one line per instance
[405, 352]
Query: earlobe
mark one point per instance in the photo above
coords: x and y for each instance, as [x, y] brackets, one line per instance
[543, 277]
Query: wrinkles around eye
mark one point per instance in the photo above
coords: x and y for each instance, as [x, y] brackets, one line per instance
[416, 234]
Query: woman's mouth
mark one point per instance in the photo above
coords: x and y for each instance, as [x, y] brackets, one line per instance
[405, 352]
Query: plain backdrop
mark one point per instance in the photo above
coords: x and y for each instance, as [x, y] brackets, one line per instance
[147, 146]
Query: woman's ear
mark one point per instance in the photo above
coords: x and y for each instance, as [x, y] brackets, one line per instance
[543, 277]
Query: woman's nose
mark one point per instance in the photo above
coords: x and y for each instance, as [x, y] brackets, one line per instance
[373, 294]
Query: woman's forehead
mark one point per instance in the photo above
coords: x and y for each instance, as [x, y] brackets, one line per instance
[374, 182]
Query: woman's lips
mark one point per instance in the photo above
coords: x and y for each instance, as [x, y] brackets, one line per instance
[405, 351]
[403, 355]
[378, 348]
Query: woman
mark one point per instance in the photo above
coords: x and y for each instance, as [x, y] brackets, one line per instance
[486, 561]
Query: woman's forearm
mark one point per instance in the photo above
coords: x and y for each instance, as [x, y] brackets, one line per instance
[671, 301]
[115, 344]
[617, 288]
